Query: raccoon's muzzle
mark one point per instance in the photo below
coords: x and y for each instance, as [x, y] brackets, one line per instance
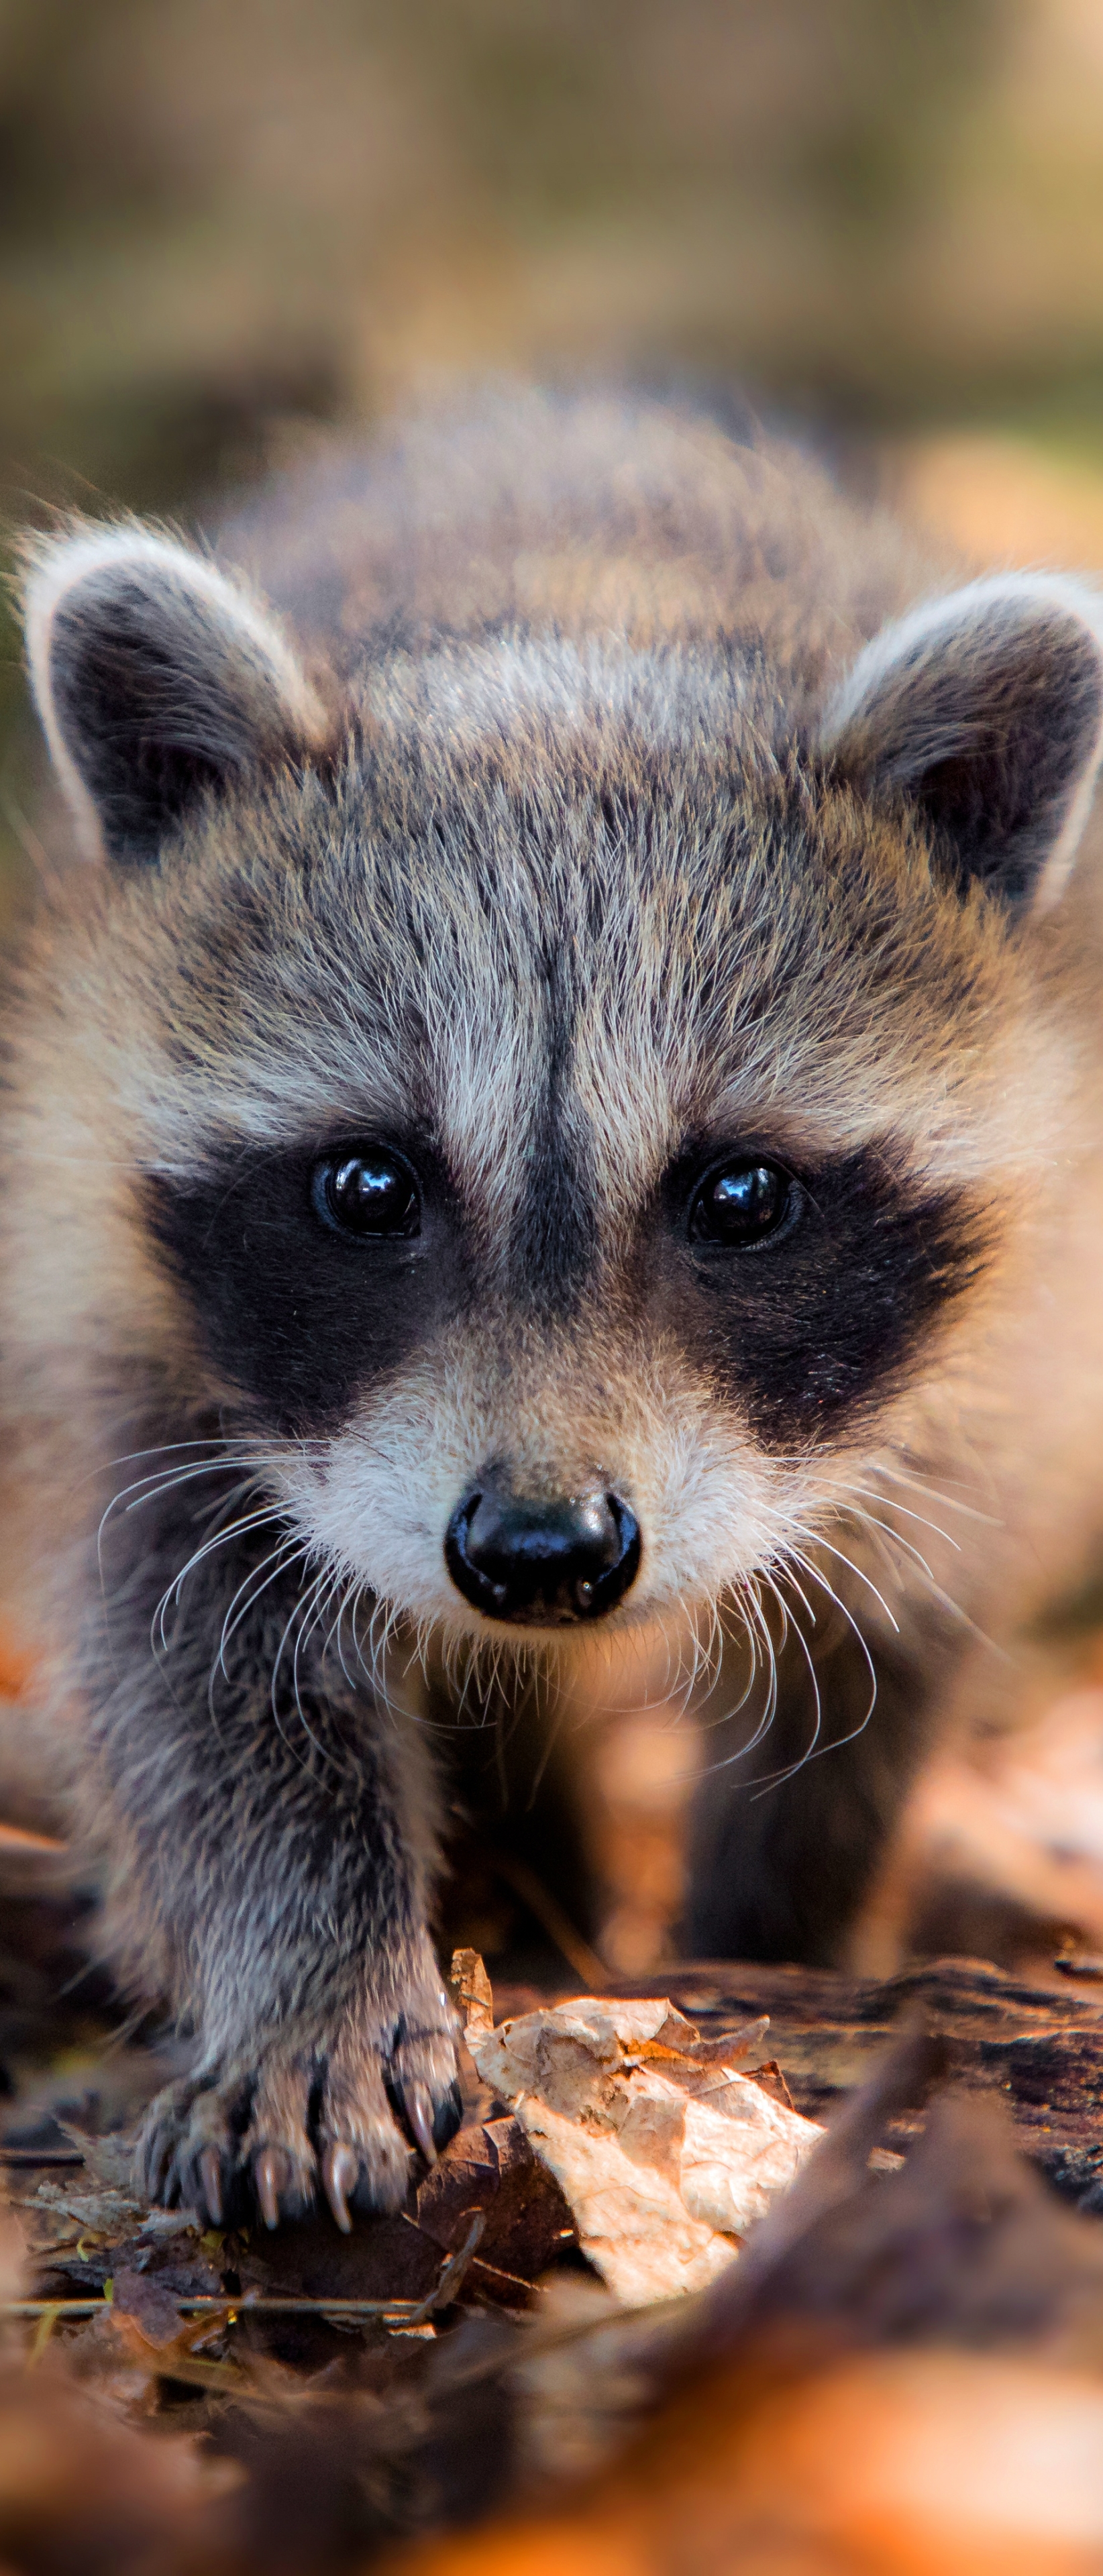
[541, 1564]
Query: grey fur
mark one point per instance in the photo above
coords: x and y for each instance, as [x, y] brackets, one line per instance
[281, 1849]
[538, 830]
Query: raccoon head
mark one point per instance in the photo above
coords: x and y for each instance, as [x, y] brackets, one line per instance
[579, 1112]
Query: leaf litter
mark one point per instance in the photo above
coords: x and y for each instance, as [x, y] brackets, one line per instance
[634, 2238]
[666, 2147]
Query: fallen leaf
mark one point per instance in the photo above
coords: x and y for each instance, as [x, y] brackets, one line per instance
[152, 2308]
[665, 2152]
[632, 2222]
[472, 1993]
[107, 2160]
[494, 2169]
[573, 2054]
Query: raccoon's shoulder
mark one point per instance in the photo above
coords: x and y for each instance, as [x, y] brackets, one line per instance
[575, 515]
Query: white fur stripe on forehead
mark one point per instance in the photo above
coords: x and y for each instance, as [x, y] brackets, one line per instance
[987, 705]
[79, 579]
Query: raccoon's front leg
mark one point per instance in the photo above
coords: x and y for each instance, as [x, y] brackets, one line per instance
[275, 1844]
[324, 2027]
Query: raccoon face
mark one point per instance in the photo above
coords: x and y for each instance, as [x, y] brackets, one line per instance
[579, 1123]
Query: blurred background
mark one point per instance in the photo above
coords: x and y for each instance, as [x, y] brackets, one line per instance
[224, 222]
[220, 221]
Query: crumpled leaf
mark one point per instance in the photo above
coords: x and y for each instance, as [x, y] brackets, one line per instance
[151, 2307]
[58, 2217]
[493, 2169]
[472, 1993]
[665, 2151]
[108, 2160]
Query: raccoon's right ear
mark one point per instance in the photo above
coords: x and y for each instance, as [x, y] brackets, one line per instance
[156, 679]
[985, 708]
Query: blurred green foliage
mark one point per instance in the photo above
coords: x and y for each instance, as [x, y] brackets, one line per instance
[218, 217]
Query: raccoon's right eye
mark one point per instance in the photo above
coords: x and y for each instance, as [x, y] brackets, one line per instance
[739, 1207]
[370, 1192]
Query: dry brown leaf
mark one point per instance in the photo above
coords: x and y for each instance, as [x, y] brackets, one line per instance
[471, 1993]
[493, 2169]
[142, 2301]
[664, 2157]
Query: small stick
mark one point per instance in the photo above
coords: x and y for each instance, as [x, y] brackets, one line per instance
[40, 2156]
[52, 2307]
[227, 2305]
[43, 2332]
[452, 2274]
[407, 2312]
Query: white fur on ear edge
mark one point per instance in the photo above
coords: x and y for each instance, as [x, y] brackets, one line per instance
[59, 564]
[916, 639]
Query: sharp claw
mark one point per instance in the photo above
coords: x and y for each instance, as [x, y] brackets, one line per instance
[271, 2174]
[156, 2159]
[210, 2175]
[419, 2112]
[449, 2117]
[340, 2172]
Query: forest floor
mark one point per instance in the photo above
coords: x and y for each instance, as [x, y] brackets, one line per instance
[459, 2379]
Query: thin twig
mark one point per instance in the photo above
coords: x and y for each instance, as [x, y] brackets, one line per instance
[453, 2273]
[43, 2333]
[39, 2156]
[197, 2373]
[408, 2312]
[233, 2309]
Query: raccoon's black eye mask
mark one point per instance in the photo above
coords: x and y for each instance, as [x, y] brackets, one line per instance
[802, 1296]
[842, 1270]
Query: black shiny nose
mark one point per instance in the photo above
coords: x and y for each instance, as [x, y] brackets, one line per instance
[541, 1564]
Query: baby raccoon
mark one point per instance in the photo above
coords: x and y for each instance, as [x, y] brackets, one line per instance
[563, 1111]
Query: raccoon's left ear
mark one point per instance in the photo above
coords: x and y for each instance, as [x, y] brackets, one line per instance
[987, 708]
[157, 679]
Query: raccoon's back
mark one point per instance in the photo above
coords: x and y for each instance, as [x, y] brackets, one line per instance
[530, 512]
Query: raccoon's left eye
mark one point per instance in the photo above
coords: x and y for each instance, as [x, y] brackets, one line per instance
[742, 1205]
[370, 1192]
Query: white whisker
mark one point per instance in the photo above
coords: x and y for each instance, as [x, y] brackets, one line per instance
[888, 1504]
[933, 1493]
[818, 1538]
[273, 1700]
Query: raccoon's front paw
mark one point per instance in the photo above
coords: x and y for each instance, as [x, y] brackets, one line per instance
[327, 2113]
